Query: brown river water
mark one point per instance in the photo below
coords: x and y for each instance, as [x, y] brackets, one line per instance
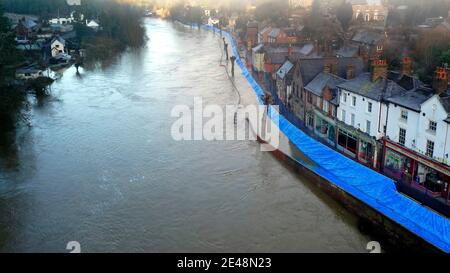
[98, 165]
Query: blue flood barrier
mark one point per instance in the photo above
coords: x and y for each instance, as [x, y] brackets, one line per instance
[372, 188]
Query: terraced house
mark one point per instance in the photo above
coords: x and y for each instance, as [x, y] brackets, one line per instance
[417, 143]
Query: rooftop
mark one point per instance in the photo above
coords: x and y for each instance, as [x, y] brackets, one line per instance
[274, 32]
[323, 79]
[278, 54]
[412, 99]
[27, 70]
[367, 37]
[285, 69]
[310, 67]
[347, 51]
[376, 90]
[405, 81]
[58, 38]
[445, 100]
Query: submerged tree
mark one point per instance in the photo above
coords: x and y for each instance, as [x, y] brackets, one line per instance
[11, 100]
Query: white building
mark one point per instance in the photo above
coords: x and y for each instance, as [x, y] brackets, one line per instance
[417, 143]
[300, 3]
[213, 21]
[362, 113]
[258, 54]
[92, 24]
[57, 46]
[65, 20]
[361, 103]
[369, 10]
[74, 2]
[419, 121]
[61, 21]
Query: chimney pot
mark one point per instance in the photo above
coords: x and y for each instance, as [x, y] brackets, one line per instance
[406, 66]
[350, 72]
[379, 69]
[440, 82]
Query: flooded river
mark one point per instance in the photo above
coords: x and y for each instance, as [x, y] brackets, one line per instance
[98, 165]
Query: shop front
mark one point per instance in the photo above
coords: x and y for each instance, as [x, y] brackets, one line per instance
[325, 128]
[347, 142]
[367, 152]
[402, 164]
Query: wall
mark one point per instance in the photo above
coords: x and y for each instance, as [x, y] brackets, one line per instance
[434, 110]
[361, 113]
[416, 126]
[395, 122]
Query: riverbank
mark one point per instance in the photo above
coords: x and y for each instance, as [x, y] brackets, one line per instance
[374, 192]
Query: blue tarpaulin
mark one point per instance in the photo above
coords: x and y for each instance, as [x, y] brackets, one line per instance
[368, 186]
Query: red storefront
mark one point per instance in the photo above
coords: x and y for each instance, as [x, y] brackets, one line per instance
[419, 171]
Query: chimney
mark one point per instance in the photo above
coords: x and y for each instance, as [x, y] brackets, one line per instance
[440, 81]
[406, 66]
[350, 72]
[379, 69]
[331, 65]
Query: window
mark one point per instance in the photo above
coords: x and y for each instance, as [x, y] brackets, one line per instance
[402, 136]
[432, 126]
[318, 102]
[347, 141]
[369, 107]
[309, 97]
[368, 127]
[353, 101]
[430, 148]
[375, 15]
[325, 106]
[366, 152]
[344, 97]
[353, 120]
[379, 48]
[343, 115]
[404, 114]
[310, 119]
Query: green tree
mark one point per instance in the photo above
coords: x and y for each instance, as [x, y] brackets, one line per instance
[11, 100]
[9, 55]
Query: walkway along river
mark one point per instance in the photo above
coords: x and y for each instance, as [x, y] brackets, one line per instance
[99, 166]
